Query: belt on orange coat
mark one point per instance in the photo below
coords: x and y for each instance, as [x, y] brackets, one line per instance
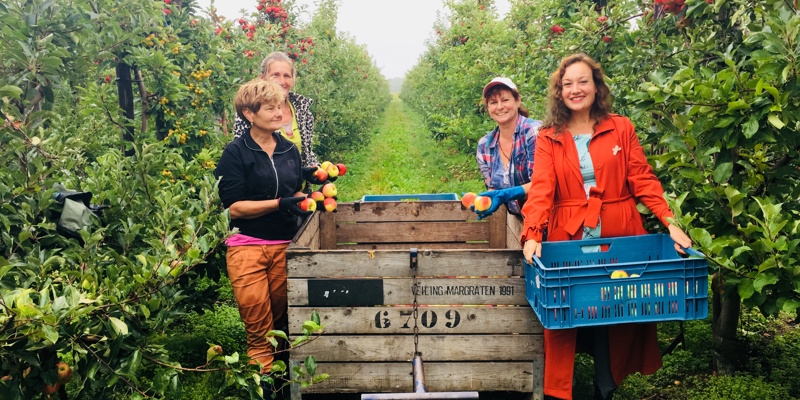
[589, 212]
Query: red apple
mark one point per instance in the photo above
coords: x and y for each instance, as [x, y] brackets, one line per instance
[64, 372]
[483, 203]
[318, 196]
[330, 204]
[468, 199]
[329, 190]
[308, 204]
[342, 169]
[321, 175]
[602, 19]
[607, 39]
[332, 170]
[50, 389]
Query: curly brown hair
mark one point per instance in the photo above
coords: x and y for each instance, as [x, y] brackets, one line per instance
[558, 115]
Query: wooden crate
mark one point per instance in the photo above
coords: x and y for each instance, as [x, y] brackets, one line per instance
[476, 329]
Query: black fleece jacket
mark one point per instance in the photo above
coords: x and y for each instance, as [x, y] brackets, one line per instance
[248, 173]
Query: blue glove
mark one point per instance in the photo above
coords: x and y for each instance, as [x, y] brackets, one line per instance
[500, 196]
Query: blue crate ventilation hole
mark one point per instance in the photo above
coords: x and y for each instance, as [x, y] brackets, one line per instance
[410, 197]
[571, 285]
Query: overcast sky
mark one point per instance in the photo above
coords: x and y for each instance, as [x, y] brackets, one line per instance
[394, 31]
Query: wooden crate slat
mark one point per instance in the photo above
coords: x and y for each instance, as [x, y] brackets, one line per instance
[439, 377]
[396, 263]
[431, 320]
[406, 246]
[413, 231]
[392, 211]
[370, 348]
[513, 231]
[308, 235]
[439, 291]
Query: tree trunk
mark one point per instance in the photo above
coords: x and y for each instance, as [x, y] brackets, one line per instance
[125, 93]
[728, 355]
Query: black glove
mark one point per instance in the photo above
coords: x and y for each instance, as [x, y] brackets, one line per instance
[289, 204]
[308, 175]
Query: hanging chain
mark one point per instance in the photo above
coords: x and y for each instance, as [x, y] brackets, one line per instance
[415, 290]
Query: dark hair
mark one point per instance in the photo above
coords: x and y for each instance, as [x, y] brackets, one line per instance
[558, 114]
[495, 89]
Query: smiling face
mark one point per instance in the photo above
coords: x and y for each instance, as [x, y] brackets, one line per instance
[577, 88]
[282, 73]
[502, 106]
[267, 119]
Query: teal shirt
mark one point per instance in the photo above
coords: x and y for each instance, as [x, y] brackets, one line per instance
[589, 181]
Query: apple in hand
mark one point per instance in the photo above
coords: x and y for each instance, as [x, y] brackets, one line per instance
[317, 196]
[332, 170]
[325, 165]
[468, 199]
[321, 175]
[308, 204]
[329, 190]
[483, 203]
[330, 204]
[342, 169]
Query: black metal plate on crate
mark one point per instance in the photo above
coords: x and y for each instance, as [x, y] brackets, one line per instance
[345, 292]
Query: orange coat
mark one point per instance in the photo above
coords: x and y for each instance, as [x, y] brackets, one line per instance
[557, 202]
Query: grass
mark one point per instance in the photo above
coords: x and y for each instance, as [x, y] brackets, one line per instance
[400, 157]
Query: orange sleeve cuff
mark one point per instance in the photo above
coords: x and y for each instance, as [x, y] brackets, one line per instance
[531, 233]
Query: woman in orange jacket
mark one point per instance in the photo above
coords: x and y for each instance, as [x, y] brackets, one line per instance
[589, 174]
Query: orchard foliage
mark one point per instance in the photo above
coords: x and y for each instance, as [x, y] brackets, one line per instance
[103, 303]
[712, 86]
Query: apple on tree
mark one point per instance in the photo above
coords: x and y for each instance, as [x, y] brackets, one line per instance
[64, 372]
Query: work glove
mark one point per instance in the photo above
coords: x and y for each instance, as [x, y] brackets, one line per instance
[289, 204]
[308, 175]
[500, 196]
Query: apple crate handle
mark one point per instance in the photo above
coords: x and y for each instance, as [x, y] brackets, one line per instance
[416, 363]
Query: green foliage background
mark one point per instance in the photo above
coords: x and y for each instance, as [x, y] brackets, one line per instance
[115, 303]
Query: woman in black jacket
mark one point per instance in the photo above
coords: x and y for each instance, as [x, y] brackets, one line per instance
[260, 184]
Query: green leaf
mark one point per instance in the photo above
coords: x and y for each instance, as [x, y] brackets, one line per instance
[750, 127]
[311, 365]
[746, 289]
[737, 105]
[775, 120]
[763, 280]
[50, 333]
[119, 326]
[10, 91]
[723, 172]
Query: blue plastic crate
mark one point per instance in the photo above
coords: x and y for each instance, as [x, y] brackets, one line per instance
[571, 285]
[411, 197]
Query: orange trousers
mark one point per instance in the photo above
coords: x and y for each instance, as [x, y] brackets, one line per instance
[258, 278]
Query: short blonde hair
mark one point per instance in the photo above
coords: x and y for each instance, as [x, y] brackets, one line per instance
[252, 95]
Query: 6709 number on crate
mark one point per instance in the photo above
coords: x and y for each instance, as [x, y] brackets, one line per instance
[616, 280]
